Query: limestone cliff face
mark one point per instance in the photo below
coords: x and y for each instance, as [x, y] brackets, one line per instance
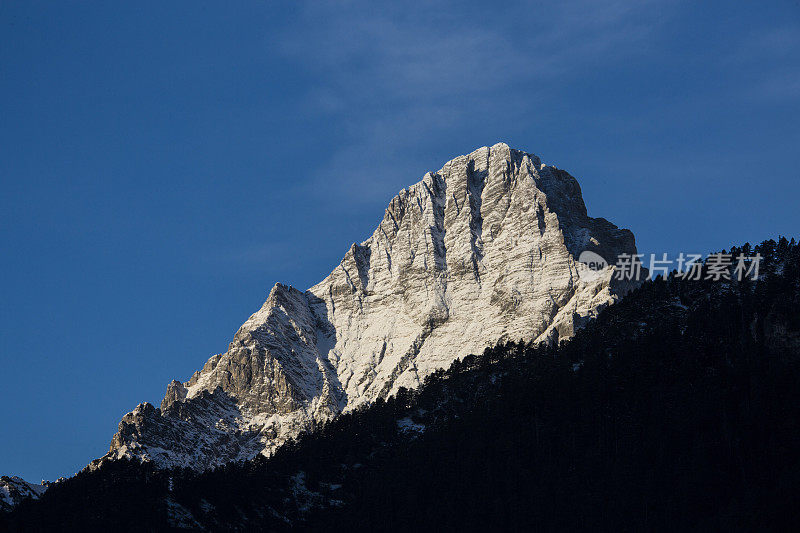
[483, 250]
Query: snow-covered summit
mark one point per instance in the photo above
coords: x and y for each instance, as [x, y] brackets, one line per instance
[483, 250]
[14, 489]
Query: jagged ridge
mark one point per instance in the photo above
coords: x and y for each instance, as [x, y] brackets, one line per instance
[482, 251]
[14, 489]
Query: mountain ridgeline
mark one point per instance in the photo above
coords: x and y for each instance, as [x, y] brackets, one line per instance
[14, 489]
[675, 409]
[484, 250]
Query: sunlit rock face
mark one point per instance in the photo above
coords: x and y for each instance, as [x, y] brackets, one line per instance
[484, 250]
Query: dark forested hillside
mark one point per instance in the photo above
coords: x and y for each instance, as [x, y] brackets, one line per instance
[675, 409]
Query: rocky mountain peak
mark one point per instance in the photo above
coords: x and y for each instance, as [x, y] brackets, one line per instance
[481, 251]
[14, 489]
[176, 392]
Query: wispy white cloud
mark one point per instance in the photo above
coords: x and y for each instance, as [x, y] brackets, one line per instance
[398, 77]
[778, 85]
[775, 43]
[765, 51]
[275, 254]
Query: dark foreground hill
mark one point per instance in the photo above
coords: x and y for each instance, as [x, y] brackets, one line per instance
[675, 409]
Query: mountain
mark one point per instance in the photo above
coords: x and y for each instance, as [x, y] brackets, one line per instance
[676, 409]
[14, 489]
[482, 251]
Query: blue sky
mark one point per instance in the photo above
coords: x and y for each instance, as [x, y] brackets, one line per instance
[165, 163]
